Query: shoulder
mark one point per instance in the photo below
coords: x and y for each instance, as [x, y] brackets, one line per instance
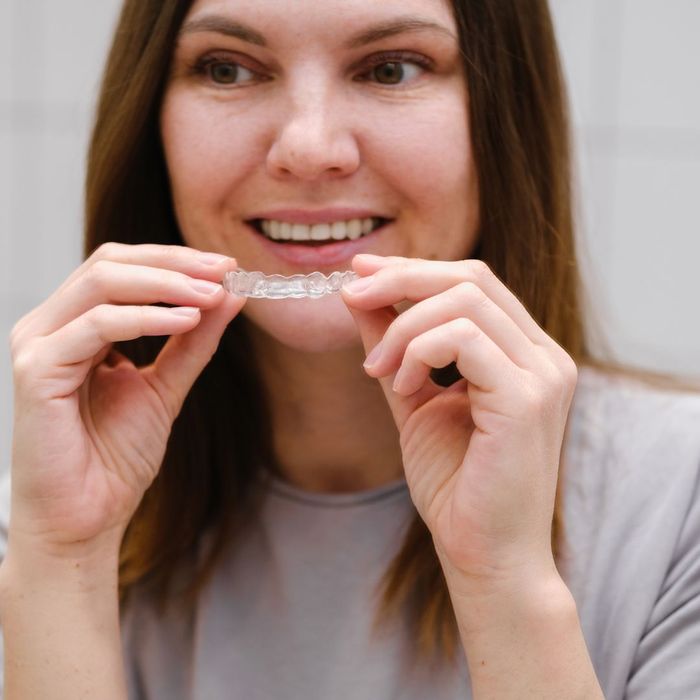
[631, 468]
[628, 399]
[623, 427]
[630, 551]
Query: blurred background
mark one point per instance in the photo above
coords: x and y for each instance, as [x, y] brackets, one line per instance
[634, 79]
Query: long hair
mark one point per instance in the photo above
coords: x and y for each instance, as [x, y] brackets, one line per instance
[208, 480]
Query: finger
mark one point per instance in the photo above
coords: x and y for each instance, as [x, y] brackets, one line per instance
[463, 300]
[109, 282]
[101, 356]
[188, 261]
[479, 360]
[184, 356]
[84, 337]
[180, 258]
[395, 279]
[372, 326]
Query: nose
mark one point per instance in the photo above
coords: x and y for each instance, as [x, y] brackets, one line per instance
[313, 138]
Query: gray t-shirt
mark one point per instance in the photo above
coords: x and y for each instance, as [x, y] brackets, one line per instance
[288, 614]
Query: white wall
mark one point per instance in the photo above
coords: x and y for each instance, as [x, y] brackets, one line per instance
[635, 87]
[51, 54]
[634, 74]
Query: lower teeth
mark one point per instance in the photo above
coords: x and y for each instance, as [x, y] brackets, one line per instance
[309, 243]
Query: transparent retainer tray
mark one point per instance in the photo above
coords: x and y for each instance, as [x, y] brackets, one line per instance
[261, 286]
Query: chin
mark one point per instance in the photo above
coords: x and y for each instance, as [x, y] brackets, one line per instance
[305, 325]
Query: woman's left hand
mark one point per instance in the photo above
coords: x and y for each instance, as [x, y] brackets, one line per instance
[481, 457]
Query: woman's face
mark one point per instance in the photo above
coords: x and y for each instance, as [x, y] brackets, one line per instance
[299, 112]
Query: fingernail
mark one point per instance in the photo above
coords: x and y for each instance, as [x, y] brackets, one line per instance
[373, 357]
[205, 287]
[397, 381]
[212, 258]
[357, 286]
[185, 310]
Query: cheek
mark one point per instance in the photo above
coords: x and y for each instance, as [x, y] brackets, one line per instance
[428, 154]
[430, 162]
[204, 150]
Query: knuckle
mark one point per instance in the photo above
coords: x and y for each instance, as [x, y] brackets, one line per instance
[97, 314]
[25, 362]
[466, 329]
[477, 270]
[533, 401]
[20, 332]
[98, 273]
[548, 396]
[401, 270]
[166, 280]
[569, 370]
[471, 294]
[413, 348]
[108, 251]
[564, 372]
[15, 335]
[98, 317]
[142, 318]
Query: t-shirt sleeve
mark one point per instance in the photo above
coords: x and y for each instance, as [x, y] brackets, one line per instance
[667, 662]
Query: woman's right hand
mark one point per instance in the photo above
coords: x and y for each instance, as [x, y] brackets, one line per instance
[90, 429]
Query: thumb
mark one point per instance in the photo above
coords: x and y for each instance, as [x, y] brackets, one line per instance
[184, 356]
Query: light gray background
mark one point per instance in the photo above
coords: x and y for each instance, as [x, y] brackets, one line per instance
[634, 73]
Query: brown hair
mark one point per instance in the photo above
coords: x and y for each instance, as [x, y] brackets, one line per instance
[521, 151]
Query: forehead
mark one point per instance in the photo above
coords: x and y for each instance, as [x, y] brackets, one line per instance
[322, 18]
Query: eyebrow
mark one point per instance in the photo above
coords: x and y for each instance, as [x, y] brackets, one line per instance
[229, 27]
[392, 27]
[223, 25]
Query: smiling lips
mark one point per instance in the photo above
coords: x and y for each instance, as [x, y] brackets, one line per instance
[317, 234]
[299, 242]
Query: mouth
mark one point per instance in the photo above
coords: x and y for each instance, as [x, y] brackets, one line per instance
[316, 235]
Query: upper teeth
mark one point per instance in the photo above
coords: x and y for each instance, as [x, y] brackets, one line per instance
[338, 230]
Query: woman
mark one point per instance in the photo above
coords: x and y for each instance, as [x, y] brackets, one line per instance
[246, 485]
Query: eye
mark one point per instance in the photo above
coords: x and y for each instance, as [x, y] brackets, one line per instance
[395, 68]
[228, 73]
[224, 72]
[394, 72]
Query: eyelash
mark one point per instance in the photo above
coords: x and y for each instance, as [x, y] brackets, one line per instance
[398, 57]
[202, 66]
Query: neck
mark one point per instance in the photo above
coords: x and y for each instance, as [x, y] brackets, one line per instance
[332, 428]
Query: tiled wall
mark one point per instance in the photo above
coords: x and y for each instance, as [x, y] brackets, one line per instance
[634, 68]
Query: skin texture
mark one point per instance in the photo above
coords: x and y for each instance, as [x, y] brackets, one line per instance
[480, 457]
[90, 431]
[308, 126]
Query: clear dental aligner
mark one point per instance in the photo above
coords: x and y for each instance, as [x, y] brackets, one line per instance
[261, 286]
